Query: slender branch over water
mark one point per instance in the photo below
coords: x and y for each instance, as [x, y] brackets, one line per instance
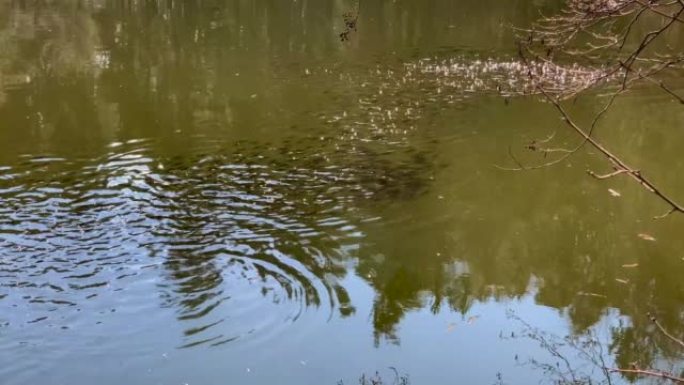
[586, 31]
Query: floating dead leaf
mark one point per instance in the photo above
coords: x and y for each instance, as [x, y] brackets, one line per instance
[472, 319]
[624, 281]
[614, 193]
[591, 294]
[630, 265]
[646, 237]
[451, 327]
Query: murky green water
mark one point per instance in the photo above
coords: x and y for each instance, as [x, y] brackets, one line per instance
[223, 192]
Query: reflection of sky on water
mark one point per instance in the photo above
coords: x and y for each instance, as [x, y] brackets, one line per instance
[210, 200]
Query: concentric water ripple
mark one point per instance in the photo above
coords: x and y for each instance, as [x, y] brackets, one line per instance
[238, 243]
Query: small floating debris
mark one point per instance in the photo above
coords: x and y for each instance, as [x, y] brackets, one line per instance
[646, 237]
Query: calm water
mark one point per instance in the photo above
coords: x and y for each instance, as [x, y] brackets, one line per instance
[223, 192]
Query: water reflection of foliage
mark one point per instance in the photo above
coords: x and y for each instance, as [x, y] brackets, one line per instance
[584, 279]
[182, 64]
[270, 207]
[181, 75]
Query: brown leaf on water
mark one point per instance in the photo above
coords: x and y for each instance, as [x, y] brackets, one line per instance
[630, 265]
[624, 281]
[451, 327]
[614, 192]
[472, 319]
[646, 237]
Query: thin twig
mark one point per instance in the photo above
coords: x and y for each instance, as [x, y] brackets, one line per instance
[619, 163]
[650, 373]
[665, 332]
[606, 176]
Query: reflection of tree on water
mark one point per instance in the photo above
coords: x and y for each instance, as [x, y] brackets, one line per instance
[477, 260]
[286, 226]
[283, 216]
[181, 75]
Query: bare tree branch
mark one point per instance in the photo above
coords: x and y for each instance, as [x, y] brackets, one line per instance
[601, 31]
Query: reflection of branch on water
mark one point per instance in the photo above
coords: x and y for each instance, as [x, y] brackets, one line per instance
[651, 373]
[377, 379]
[666, 375]
[577, 358]
[350, 21]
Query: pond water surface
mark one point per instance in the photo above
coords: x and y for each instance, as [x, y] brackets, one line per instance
[224, 192]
